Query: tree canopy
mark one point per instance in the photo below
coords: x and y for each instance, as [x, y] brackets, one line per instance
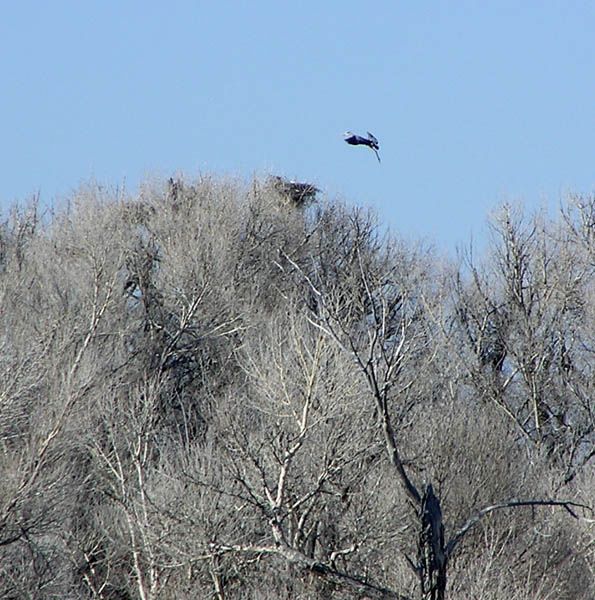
[207, 391]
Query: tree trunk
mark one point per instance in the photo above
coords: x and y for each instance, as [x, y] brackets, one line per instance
[432, 556]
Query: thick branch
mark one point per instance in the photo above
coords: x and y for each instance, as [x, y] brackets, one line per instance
[354, 582]
[395, 459]
[458, 536]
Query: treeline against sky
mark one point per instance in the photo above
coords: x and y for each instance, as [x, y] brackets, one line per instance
[219, 390]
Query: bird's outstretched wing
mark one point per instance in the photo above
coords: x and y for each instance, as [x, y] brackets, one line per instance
[372, 138]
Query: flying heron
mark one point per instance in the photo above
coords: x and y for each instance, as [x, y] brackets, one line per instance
[359, 140]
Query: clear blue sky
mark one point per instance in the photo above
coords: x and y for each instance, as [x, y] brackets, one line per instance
[474, 103]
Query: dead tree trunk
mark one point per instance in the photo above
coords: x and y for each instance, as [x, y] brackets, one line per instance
[432, 558]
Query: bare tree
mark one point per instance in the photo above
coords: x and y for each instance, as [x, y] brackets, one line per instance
[391, 328]
[205, 394]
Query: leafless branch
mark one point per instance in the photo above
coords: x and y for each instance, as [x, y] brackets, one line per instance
[472, 521]
[321, 569]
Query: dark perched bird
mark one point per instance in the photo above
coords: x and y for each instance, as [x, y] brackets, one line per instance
[358, 140]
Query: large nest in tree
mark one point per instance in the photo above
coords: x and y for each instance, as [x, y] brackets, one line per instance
[298, 193]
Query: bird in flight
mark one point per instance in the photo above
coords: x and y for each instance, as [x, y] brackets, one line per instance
[358, 140]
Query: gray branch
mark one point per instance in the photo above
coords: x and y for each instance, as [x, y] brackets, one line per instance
[293, 556]
[472, 521]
